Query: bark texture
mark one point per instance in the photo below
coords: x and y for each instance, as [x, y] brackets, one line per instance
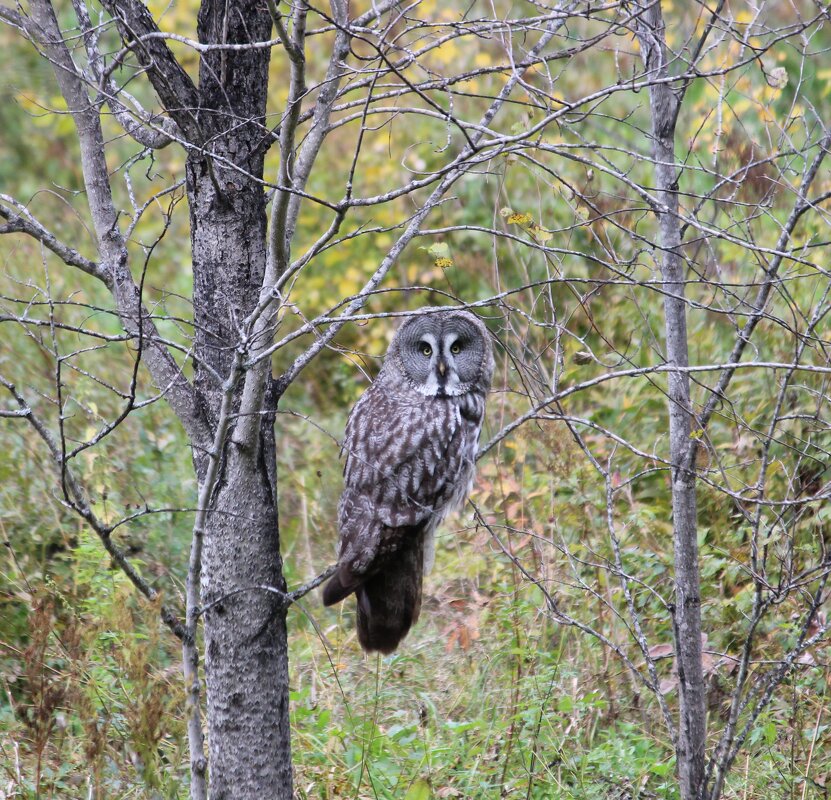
[664, 103]
[246, 660]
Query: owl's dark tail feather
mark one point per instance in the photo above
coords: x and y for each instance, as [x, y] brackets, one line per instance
[389, 602]
[338, 588]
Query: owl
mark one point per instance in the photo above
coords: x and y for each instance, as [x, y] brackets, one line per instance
[410, 446]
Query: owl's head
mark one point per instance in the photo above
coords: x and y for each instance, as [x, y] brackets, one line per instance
[443, 353]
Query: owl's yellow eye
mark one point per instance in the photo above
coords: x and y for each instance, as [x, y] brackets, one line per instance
[455, 349]
[426, 350]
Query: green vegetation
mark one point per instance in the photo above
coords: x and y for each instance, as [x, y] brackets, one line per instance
[494, 694]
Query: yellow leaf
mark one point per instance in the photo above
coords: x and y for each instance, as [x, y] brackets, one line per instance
[540, 234]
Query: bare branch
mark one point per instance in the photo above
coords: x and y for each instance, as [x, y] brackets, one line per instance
[20, 220]
[172, 84]
[112, 248]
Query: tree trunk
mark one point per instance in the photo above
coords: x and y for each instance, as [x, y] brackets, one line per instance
[664, 102]
[246, 655]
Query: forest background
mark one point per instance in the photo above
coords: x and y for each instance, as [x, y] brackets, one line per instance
[543, 664]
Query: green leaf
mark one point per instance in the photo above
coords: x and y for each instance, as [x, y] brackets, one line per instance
[661, 768]
[419, 790]
[769, 732]
[439, 250]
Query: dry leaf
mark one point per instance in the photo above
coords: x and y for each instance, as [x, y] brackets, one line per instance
[661, 651]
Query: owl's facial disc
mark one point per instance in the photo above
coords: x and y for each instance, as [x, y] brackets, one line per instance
[441, 356]
[439, 353]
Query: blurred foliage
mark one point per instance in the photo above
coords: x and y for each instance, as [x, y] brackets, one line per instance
[490, 697]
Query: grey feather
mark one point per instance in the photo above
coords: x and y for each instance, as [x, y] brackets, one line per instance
[410, 446]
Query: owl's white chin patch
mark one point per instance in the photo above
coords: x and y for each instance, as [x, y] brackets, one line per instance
[429, 389]
[451, 385]
[432, 388]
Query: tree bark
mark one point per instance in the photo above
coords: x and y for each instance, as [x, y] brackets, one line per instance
[664, 103]
[246, 654]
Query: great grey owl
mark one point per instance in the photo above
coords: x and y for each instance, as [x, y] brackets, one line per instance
[410, 444]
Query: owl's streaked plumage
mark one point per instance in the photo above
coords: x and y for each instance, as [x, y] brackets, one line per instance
[410, 445]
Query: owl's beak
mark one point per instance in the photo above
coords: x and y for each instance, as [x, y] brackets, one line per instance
[442, 367]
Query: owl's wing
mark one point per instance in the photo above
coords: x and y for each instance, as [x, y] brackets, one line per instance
[398, 450]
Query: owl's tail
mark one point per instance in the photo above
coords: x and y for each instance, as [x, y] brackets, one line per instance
[389, 602]
[338, 588]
